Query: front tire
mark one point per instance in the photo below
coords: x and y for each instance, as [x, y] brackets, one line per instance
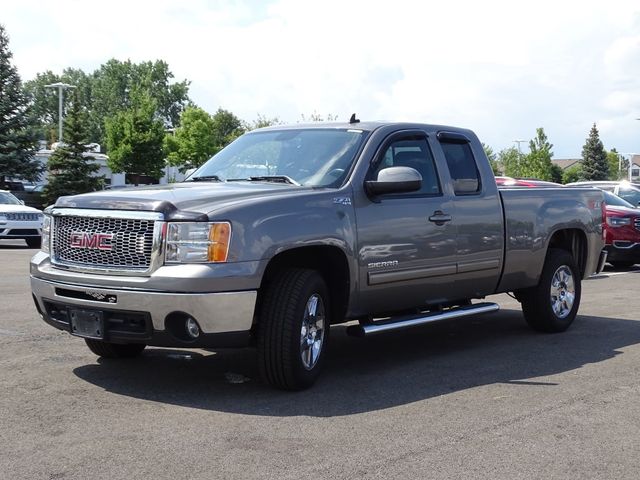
[114, 350]
[293, 329]
[552, 305]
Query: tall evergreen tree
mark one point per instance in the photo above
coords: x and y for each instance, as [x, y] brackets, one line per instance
[17, 131]
[594, 157]
[71, 170]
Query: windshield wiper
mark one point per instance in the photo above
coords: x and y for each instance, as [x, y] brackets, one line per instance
[204, 178]
[275, 178]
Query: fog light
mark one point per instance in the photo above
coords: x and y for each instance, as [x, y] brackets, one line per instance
[192, 328]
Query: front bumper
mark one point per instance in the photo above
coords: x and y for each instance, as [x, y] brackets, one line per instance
[140, 316]
[623, 251]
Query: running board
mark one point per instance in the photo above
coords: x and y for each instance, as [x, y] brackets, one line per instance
[396, 323]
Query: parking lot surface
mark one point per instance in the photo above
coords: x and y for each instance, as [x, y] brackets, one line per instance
[480, 397]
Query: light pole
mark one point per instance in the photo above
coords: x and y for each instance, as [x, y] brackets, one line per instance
[61, 88]
[519, 142]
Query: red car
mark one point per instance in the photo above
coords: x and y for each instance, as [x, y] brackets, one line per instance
[622, 231]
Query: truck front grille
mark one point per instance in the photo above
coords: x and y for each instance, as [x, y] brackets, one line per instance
[23, 217]
[636, 223]
[128, 245]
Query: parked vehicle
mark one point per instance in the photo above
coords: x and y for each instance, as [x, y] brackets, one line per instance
[623, 189]
[289, 230]
[19, 222]
[622, 231]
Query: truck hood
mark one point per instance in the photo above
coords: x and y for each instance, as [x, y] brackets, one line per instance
[186, 197]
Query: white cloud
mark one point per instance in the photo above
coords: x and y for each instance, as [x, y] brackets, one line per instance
[500, 68]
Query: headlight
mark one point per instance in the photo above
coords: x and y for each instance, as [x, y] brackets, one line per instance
[618, 221]
[197, 242]
[45, 245]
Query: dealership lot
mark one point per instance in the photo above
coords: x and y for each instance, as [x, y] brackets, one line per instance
[481, 397]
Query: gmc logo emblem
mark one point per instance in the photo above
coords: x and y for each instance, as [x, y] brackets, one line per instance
[96, 241]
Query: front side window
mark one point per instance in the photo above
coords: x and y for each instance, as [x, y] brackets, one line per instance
[415, 153]
[462, 167]
[313, 157]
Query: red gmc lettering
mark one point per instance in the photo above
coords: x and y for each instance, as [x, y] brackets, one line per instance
[98, 241]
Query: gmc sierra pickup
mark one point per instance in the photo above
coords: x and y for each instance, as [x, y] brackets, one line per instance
[289, 230]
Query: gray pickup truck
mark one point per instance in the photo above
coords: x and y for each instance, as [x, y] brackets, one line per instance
[289, 230]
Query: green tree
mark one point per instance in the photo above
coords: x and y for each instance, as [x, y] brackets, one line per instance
[594, 158]
[134, 139]
[537, 163]
[492, 157]
[556, 173]
[107, 91]
[18, 136]
[44, 101]
[194, 141]
[261, 122]
[511, 160]
[572, 174]
[226, 128]
[71, 170]
[618, 165]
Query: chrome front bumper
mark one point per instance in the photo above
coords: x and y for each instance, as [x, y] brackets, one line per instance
[216, 313]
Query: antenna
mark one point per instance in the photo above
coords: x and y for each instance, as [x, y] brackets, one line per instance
[353, 119]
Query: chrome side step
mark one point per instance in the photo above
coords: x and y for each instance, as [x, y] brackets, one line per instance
[396, 323]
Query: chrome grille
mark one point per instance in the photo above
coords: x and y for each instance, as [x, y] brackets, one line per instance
[23, 217]
[636, 223]
[131, 242]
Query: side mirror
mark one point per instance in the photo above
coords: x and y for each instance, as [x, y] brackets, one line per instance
[394, 180]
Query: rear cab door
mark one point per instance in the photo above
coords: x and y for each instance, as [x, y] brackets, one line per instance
[477, 213]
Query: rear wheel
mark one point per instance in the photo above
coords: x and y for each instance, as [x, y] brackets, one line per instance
[293, 329]
[114, 350]
[552, 305]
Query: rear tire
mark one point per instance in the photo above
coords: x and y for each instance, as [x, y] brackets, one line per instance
[552, 305]
[114, 350]
[33, 242]
[293, 329]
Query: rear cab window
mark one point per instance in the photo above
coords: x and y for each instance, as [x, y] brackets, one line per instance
[461, 163]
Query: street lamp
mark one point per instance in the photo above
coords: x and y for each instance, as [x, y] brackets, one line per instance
[519, 142]
[61, 88]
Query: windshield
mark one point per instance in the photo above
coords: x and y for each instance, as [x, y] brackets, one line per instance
[611, 199]
[631, 195]
[8, 199]
[313, 157]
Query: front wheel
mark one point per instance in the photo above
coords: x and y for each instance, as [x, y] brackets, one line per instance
[114, 350]
[293, 329]
[552, 305]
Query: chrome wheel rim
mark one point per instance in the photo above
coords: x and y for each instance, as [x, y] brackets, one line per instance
[563, 291]
[312, 331]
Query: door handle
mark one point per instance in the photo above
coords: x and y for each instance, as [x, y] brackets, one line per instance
[439, 217]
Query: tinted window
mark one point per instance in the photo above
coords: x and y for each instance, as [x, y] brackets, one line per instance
[462, 167]
[415, 153]
[630, 195]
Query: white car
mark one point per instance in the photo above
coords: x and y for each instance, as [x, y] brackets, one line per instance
[17, 221]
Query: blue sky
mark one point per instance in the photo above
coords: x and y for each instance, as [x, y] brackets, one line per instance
[499, 68]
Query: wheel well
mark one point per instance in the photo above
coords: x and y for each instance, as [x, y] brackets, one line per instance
[573, 241]
[330, 262]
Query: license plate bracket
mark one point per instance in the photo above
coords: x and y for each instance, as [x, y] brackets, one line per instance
[87, 323]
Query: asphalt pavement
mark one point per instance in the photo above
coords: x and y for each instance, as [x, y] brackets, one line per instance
[479, 397]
